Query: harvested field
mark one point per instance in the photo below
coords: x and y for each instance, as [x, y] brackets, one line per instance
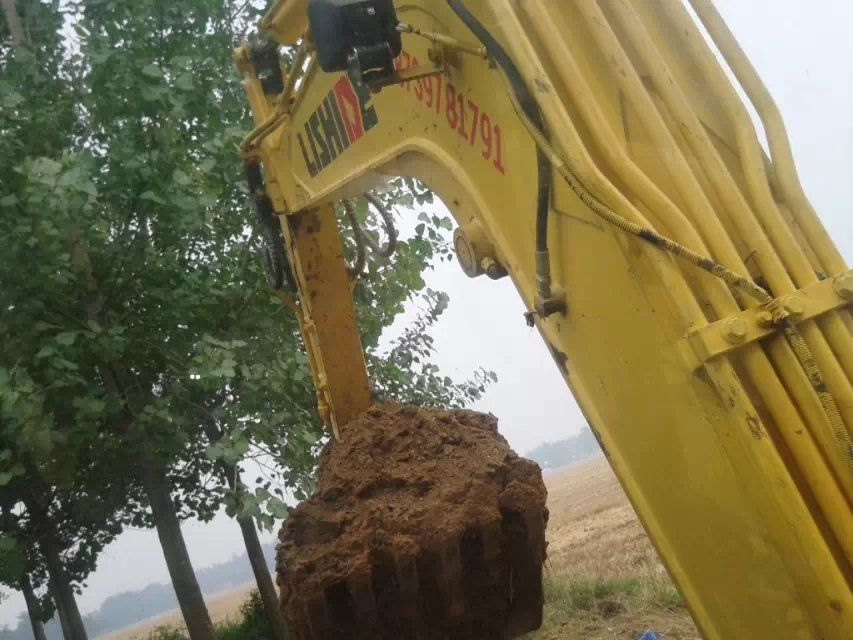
[224, 607]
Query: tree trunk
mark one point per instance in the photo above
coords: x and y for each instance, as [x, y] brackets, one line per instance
[13, 20]
[175, 552]
[60, 613]
[66, 601]
[32, 608]
[269, 596]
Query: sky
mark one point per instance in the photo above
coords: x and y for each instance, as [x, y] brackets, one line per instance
[802, 51]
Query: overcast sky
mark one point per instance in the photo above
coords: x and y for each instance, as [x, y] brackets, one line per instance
[803, 51]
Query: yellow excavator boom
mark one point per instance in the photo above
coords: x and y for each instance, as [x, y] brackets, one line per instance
[687, 291]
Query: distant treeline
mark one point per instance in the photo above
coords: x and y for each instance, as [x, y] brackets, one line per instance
[553, 455]
[129, 607]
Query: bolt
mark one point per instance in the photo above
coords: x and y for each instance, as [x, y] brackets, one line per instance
[795, 305]
[844, 285]
[734, 330]
[492, 268]
[764, 319]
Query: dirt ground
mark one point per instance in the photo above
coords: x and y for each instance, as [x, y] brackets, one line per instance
[604, 581]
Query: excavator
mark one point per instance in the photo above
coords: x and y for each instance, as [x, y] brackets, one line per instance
[603, 155]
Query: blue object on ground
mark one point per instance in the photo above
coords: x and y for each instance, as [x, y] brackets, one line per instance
[649, 635]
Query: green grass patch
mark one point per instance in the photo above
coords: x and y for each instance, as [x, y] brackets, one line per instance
[571, 598]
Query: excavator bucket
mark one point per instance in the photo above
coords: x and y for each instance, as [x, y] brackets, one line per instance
[425, 525]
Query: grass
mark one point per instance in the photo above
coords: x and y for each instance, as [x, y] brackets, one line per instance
[565, 595]
[573, 602]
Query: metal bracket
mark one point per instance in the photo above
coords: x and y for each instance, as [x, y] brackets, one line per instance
[416, 73]
[735, 331]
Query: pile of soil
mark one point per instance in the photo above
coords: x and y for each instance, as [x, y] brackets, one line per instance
[425, 525]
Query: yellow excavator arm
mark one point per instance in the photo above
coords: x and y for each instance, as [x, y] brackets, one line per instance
[598, 153]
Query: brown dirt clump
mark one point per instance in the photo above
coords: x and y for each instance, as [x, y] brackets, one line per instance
[425, 526]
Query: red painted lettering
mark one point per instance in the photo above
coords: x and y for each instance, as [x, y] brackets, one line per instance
[350, 108]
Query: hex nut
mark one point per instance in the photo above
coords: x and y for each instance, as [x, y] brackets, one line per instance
[734, 330]
[844, 285]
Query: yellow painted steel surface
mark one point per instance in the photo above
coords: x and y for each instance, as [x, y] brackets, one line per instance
[725, 451]
[327, 317]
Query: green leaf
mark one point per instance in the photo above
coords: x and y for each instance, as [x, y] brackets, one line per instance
[214, 452]
[309, 437]
[89, 188]
[181, 178]
[152, 71]
[185, 82]
[7, 476]
[278, 508]
[46, 351]
[67, 338]
[241, 447]
[9, 201]
[151, 196]
[62, 363]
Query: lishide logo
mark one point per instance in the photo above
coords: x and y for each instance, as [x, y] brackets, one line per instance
[341, 119]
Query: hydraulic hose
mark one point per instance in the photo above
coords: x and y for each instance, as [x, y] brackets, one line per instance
[358, 239]
[527, 102]
[361, 238]
[273, 258]
[387, 219]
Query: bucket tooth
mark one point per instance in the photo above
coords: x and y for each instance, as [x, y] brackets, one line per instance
[408, 582]
[341, 613]
[317, 614]
[491, 538]
[526, 545]
[363, 601]
[386, 594]
[486, 573]
[453, 596]
[534, 524]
